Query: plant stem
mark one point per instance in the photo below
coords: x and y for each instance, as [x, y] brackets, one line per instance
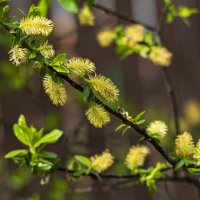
[172, 97]
[166, 78]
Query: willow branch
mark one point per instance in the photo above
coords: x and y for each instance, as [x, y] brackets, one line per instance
[124, 120]
[108, 176]
[118, 115]
[139, 130]
[134, 177]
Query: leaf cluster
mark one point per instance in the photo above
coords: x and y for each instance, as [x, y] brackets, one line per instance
[35, 156]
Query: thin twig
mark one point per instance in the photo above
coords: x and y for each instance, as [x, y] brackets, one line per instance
[122, 17]
[172, 97]
[131, 177]
[108, 176]
[166, 78]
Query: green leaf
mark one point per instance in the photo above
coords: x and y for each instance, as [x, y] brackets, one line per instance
[138, 116]
[86, 93]
[148, 38]
[61, 69]
[43, 7]
[17, 152]
[169, 18]
[179, 165]
[79, 173]
[44, 166]
[6, 9]
[125, 130]
[22, 121]
[194, 171]
[48, 155]
[137, 120]
[83, 160]
[51, 137]
[3, 11]
[125, 51]
[140, 122]
[119, 127]
[59, 59]
[33, 11]
[185, 12]
[69, 5]
[3, 1]
[90, 2]
[21, 135]
[151, 186]
[11, 24]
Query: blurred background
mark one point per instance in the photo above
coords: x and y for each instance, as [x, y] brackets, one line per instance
[141, 86]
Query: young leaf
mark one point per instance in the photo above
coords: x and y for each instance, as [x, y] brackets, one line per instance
[33, 11]
[69, 5]
[138, 116]
[194, 171]
[44, 166]
[43, 7]
[17, 152]
[126, 129]
[185, 12]
[21, 135]
[11, 24]
[83, 160]
[151, 186]
[22, 120]
[86, 93]
[61, 69]
[119, 127]
[140, 122]
[179, 165]
[59, 59]
[79, 172]
[47, 155]
[51, 137]
[148, 38]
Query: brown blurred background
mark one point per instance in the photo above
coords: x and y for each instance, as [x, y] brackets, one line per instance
[141, 86]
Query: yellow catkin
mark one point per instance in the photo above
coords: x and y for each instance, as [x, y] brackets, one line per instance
[36, 26]
[184, 144]
[105, 37]
[133, 35]
[136, 156]
[18, 55]
[160, 56]
[86, 16]
[198, 145]
[46, 50]
[80, 66]
[97, 115]
[102, 162]
[105, 87]
[192, 112]
[157, 129]
[56, 91]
